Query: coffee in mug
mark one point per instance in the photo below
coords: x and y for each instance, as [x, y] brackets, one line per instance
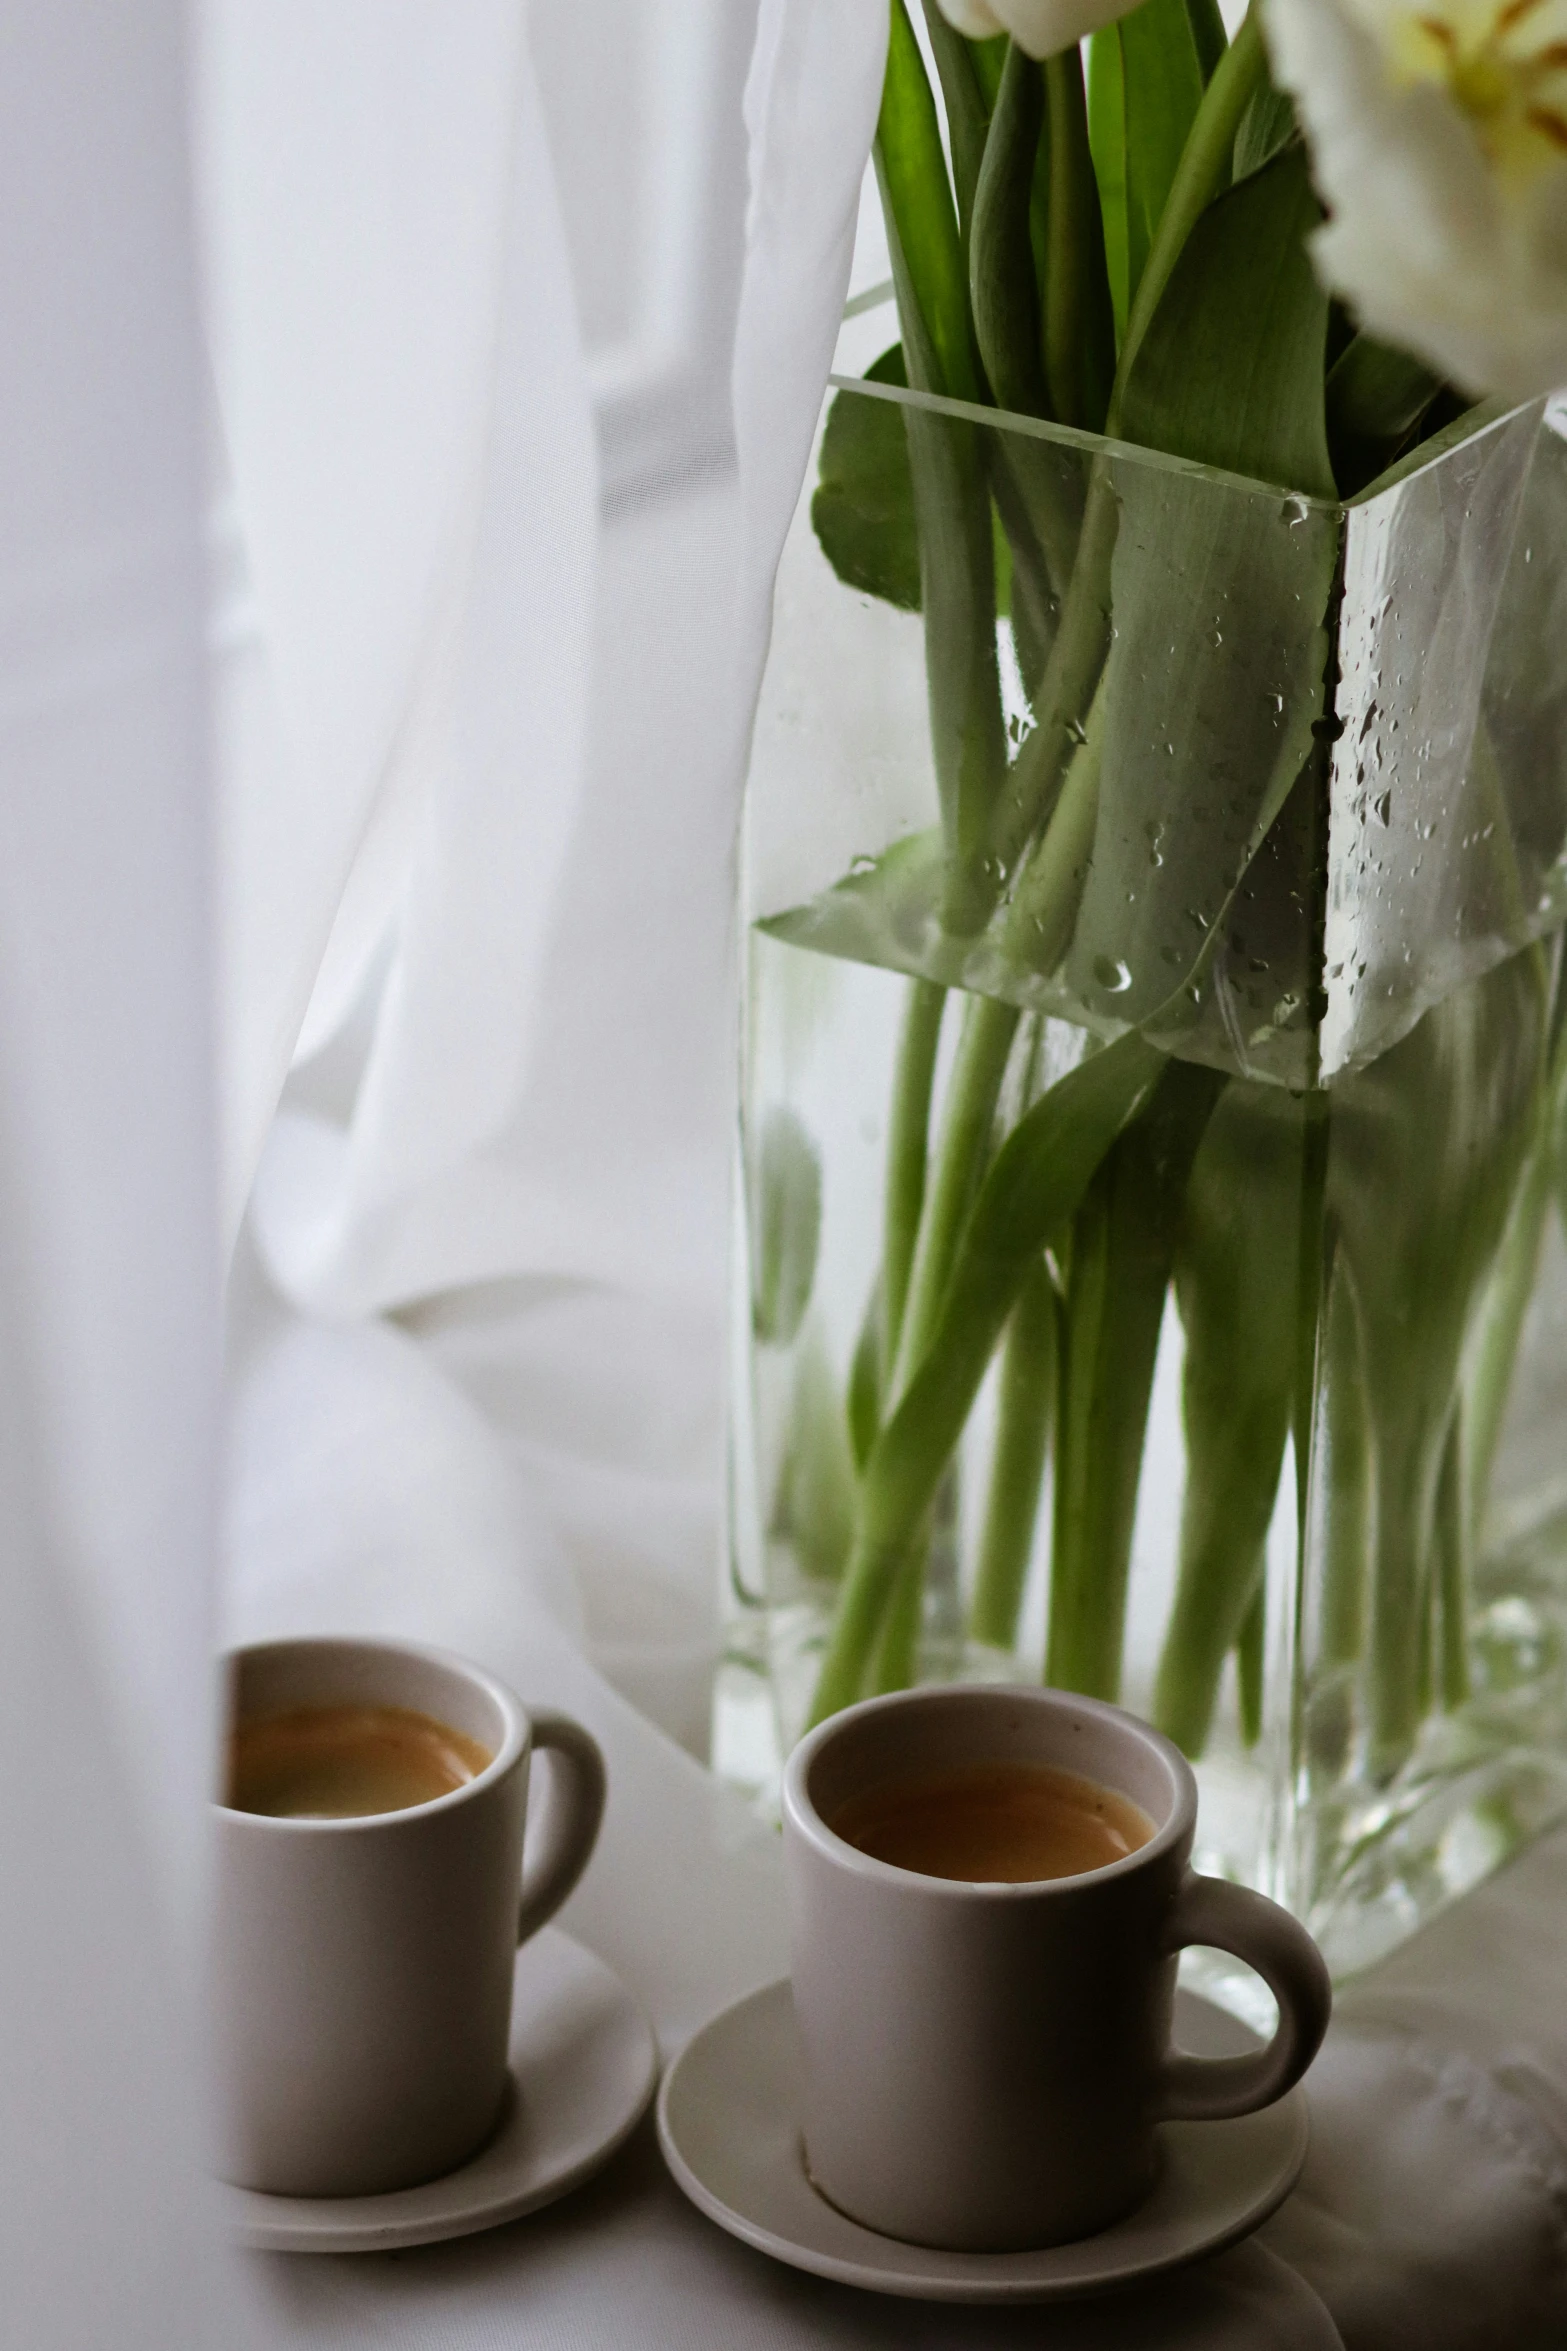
[346, 1762]
[985, 2033]
[994, 1824]
[371, 1889]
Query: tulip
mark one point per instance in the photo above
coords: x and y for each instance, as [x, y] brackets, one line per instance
[1042, 27]
[1438, 139]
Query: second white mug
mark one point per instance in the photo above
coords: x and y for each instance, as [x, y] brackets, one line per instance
[985, 2064]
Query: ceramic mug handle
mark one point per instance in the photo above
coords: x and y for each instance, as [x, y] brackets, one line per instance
[1232, 1918]
[570, 1827]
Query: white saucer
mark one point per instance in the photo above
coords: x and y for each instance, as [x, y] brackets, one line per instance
[584, 2063]
[728, 2125]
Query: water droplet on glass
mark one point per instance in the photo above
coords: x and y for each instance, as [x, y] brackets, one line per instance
[1382, 808]
[1113, 975]
[1076, 729]
[862, 865]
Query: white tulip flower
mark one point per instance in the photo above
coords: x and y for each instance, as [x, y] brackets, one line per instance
[1438, 137]
[1042, 27]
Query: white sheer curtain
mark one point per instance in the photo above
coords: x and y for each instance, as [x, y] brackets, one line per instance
[109, 1261]
[482, 728]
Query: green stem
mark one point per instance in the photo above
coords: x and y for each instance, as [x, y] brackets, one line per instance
[1122, 1250]
[1430, 1145]
[1110, 1337]
[1001, 262]
[1079, 317]
[1031, 1191]
[1411, 1439]
[864, 1399]
[1345, 1482]
[1034, 784]
[1340, 1469]
[1452, 1571]
[908, 1133]
[1507, 1302]
[897, 1650]
[1035, 485]
[947, 468]
[1043, 912]
[1203, 172]
[967, 1125]
[1237, 1272]
[1310, 1292]
[1507, 1297]
[962, 678]
[1027, 1391]
[1039, 496]
[968, 109]
[1250, 1658]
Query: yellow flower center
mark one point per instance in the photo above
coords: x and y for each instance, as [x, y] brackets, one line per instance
[1504, 65]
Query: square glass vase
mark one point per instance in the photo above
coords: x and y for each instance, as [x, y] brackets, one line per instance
[1149, 1260]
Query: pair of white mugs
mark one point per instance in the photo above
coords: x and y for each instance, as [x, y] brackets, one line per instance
[984, 2064]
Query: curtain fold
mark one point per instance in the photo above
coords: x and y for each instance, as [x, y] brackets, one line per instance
[109, 1269]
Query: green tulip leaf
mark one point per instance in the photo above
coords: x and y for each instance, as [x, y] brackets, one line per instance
[786, 1227]
[813, 1508]
[1230, 370]
[1107, 145]
[1220, 596]
[1267, 126]
[968, 94]
[924, 241]
[1209, 35]
[1146, 76]
[863, 509]
[1376, 397]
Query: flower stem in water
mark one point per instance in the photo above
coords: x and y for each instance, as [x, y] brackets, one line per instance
[1028, 1382]
[1122, 1250]
[967, 1126]
[1029, 1195]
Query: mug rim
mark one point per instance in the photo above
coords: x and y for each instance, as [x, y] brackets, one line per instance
[800, 1813]
[515, 1743]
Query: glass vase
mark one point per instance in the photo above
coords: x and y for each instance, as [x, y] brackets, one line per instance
[1149, 1257]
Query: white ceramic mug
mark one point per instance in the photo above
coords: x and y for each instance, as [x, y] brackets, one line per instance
[985, 2064]
[362, 1968]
